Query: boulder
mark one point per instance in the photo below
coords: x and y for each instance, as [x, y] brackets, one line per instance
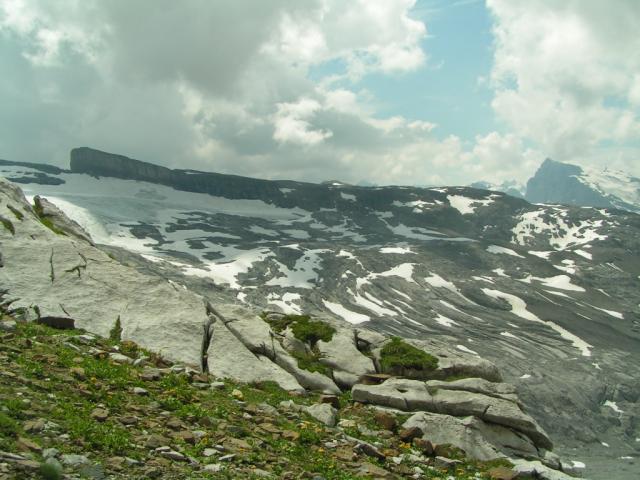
[341, 354]
[323, 412]
[228, 358]
[452, 362]
[478, 385]
[414, 395]
[536, 469]
[478, 439]
[48, 210]
[314, 381]
[256, 335]
[58, 276]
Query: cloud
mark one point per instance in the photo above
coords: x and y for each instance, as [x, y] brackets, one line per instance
[565, 75]
[235, 87]
[292, 123]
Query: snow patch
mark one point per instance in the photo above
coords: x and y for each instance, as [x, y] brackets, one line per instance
[445, 321]
[348, 196]
[502, 250]
[467, 350]
[466, 205]
[561, 282]
[510, 335]
[541, 254]
[398, 250]
[584, 254]
[345, 314]
[519, 308]
[613, 406]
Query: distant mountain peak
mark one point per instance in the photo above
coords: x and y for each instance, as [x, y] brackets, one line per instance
[564, 183]
[510, 187]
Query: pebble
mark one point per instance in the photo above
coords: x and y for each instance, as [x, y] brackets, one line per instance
[408, 434]
[444, 462]
[74, 460]
[26, 444]
[99, 414]
[50, 453]
[155, 441]
[78, 372]
[213, 467]
[139, 362]
[140, 391]
[8, 325]
[34, 426]
[237, 394]
[120, 358]
[128, 420]
[173, 455]
[217, 385]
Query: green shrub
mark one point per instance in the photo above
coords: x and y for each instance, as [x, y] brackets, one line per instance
[312, 331]
[399, 355]
[310, 361]
[49, 471]
[280, 324]
[115, 334]
[8, 426]
[303, 328]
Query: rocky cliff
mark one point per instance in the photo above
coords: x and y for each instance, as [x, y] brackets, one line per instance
[53, 276]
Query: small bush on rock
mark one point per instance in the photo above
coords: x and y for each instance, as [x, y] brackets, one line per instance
[312, 331]
[398, 355]
[281, 323]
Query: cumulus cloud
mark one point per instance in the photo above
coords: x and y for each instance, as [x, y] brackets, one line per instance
[227, 86]
[565, 75]
[292, 123]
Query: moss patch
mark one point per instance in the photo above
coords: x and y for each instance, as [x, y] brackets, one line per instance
[310, 361]
[312, 331]
[46, 221]
[16, 213]
[398, 355]
[8, 225]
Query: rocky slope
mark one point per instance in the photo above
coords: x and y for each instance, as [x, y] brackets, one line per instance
[54, 276]
[76, 405]
[547, 293]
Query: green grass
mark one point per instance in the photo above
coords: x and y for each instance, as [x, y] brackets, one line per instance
[37, 208]
[8, 225]
[398, 355]
[8, 426]
[16, 213]
[42, 355]
[265, 392]
[310, 361]
[50, 472]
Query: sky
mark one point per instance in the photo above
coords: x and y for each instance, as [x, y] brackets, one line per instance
[405, 92]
